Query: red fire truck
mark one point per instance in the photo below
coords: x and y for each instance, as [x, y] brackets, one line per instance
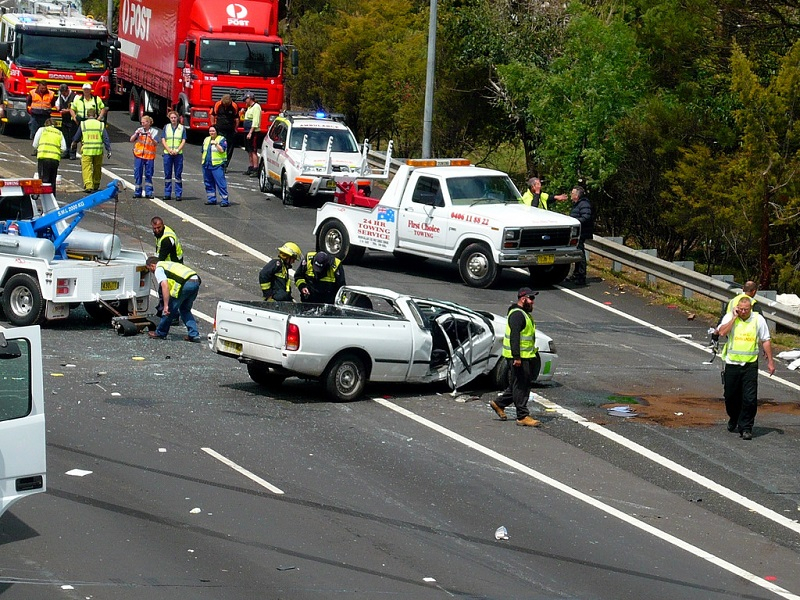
[186, 54]
[54, 45]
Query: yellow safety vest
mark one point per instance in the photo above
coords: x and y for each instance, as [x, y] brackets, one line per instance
[80, 106]
[742, 343]
[253, 114]
[49, 144]
[177, 275]
[92, 136]
[173, 137]
[328, 277]
[169, 233]
[527, 338]
[217, 157]
[527, 199]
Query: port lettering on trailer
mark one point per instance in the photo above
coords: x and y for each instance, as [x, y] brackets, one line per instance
[136, 19]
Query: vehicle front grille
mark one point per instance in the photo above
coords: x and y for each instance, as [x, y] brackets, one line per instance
[544, 238]
[237, 95]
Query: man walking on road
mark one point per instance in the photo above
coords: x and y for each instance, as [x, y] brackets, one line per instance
[214, 157]
[50, 145]
[180, 285]
[94, 136]
[745, 329]
[519, 349]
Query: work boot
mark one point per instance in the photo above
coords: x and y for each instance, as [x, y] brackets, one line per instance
[500, 412]
[528, 422]
[747, 435]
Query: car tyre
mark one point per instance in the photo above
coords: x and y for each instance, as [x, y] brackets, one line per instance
[477, 266]
[346, 378]
[334, 239]
[22, 301]
[264, 184]
[286, 194]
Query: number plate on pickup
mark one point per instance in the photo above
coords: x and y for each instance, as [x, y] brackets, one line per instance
[109, 285]
[231, 347]
[330, 184]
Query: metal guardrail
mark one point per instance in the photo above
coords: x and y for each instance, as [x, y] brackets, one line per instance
[717, 289]
[378, 160]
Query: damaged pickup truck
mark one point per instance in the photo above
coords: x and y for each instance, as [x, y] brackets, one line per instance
[368, 335]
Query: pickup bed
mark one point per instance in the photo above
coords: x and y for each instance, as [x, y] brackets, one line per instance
[369, 334]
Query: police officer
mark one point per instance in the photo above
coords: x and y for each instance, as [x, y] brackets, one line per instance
[274, 277]
[181, 285]
[49, 144]
[319, 277]
[519, 349]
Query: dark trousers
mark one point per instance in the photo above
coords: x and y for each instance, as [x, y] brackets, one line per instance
[69, 128]
[579, 273]
[741, 394]
[519, 389]
[182, 305]
[48, 171]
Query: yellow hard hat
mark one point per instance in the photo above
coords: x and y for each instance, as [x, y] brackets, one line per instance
[290, 249]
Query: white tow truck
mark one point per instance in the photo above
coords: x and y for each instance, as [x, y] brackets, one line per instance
[22, 426]
[369, 334]
[449, 210]
[47, 266]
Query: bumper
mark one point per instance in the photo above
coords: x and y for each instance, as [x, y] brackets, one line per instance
[540, 257]
[323, 186]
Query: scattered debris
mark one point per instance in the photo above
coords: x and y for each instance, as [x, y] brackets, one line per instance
[78, 473]
[288, 568]
[622, 411]
[690, 317]
[195, 511]
[501, 533]
[212, 253]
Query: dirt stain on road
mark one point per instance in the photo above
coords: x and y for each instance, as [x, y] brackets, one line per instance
[682, 411]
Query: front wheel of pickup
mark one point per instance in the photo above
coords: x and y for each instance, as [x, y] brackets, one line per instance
[22, 301]
[477, 267]
[346, 378]
[549, 275]
[264, 376]
[334, 240]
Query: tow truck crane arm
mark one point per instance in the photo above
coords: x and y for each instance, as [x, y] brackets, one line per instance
[43, 226]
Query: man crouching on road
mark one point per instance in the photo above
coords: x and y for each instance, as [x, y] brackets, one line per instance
[180, 284]
[519, 349]
[745, 329]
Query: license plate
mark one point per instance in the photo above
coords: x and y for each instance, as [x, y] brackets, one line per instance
[109, 285]
[232, 347]
[330, 184]
[545, 259]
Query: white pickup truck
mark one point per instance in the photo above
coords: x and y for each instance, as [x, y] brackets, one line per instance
[23, 459]
[47, 266]
[448, 210]
[369, 334]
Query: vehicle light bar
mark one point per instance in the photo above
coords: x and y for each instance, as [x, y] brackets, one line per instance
[29, 186]
[438, 162]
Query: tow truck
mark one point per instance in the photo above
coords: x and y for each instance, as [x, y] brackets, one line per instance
[47, 266]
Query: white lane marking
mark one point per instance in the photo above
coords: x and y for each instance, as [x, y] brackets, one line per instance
[674, 336]
[672, 465]
[242, 470]
[578, 495]
[196, 222]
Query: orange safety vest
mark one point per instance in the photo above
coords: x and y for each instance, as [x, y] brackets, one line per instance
[42, 103]
[145, 147]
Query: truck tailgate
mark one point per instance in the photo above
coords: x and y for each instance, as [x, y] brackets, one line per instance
[246, 330]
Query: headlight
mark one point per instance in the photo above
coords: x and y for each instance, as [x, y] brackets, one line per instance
[511, 234]
[200, 114]
[552, 347]
[575, 231]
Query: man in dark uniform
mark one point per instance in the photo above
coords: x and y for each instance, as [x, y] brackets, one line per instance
[519, 349]
[319, 277]
[581, 210]
[274, 277]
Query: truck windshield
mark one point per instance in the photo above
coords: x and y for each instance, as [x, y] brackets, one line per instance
[465, 191]
[343, 141]
[60, 53]
[258, 59]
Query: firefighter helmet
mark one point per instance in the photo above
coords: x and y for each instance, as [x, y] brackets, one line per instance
[290, 249]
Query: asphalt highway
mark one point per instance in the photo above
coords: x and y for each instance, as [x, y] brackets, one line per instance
[171, 475]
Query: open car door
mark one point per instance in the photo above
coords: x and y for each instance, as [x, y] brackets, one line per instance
[22, 426]
[469, 343]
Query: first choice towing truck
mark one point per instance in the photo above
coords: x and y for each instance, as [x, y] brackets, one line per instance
[186, 54]
[449, 210]
[50, 42]
[48, 267]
